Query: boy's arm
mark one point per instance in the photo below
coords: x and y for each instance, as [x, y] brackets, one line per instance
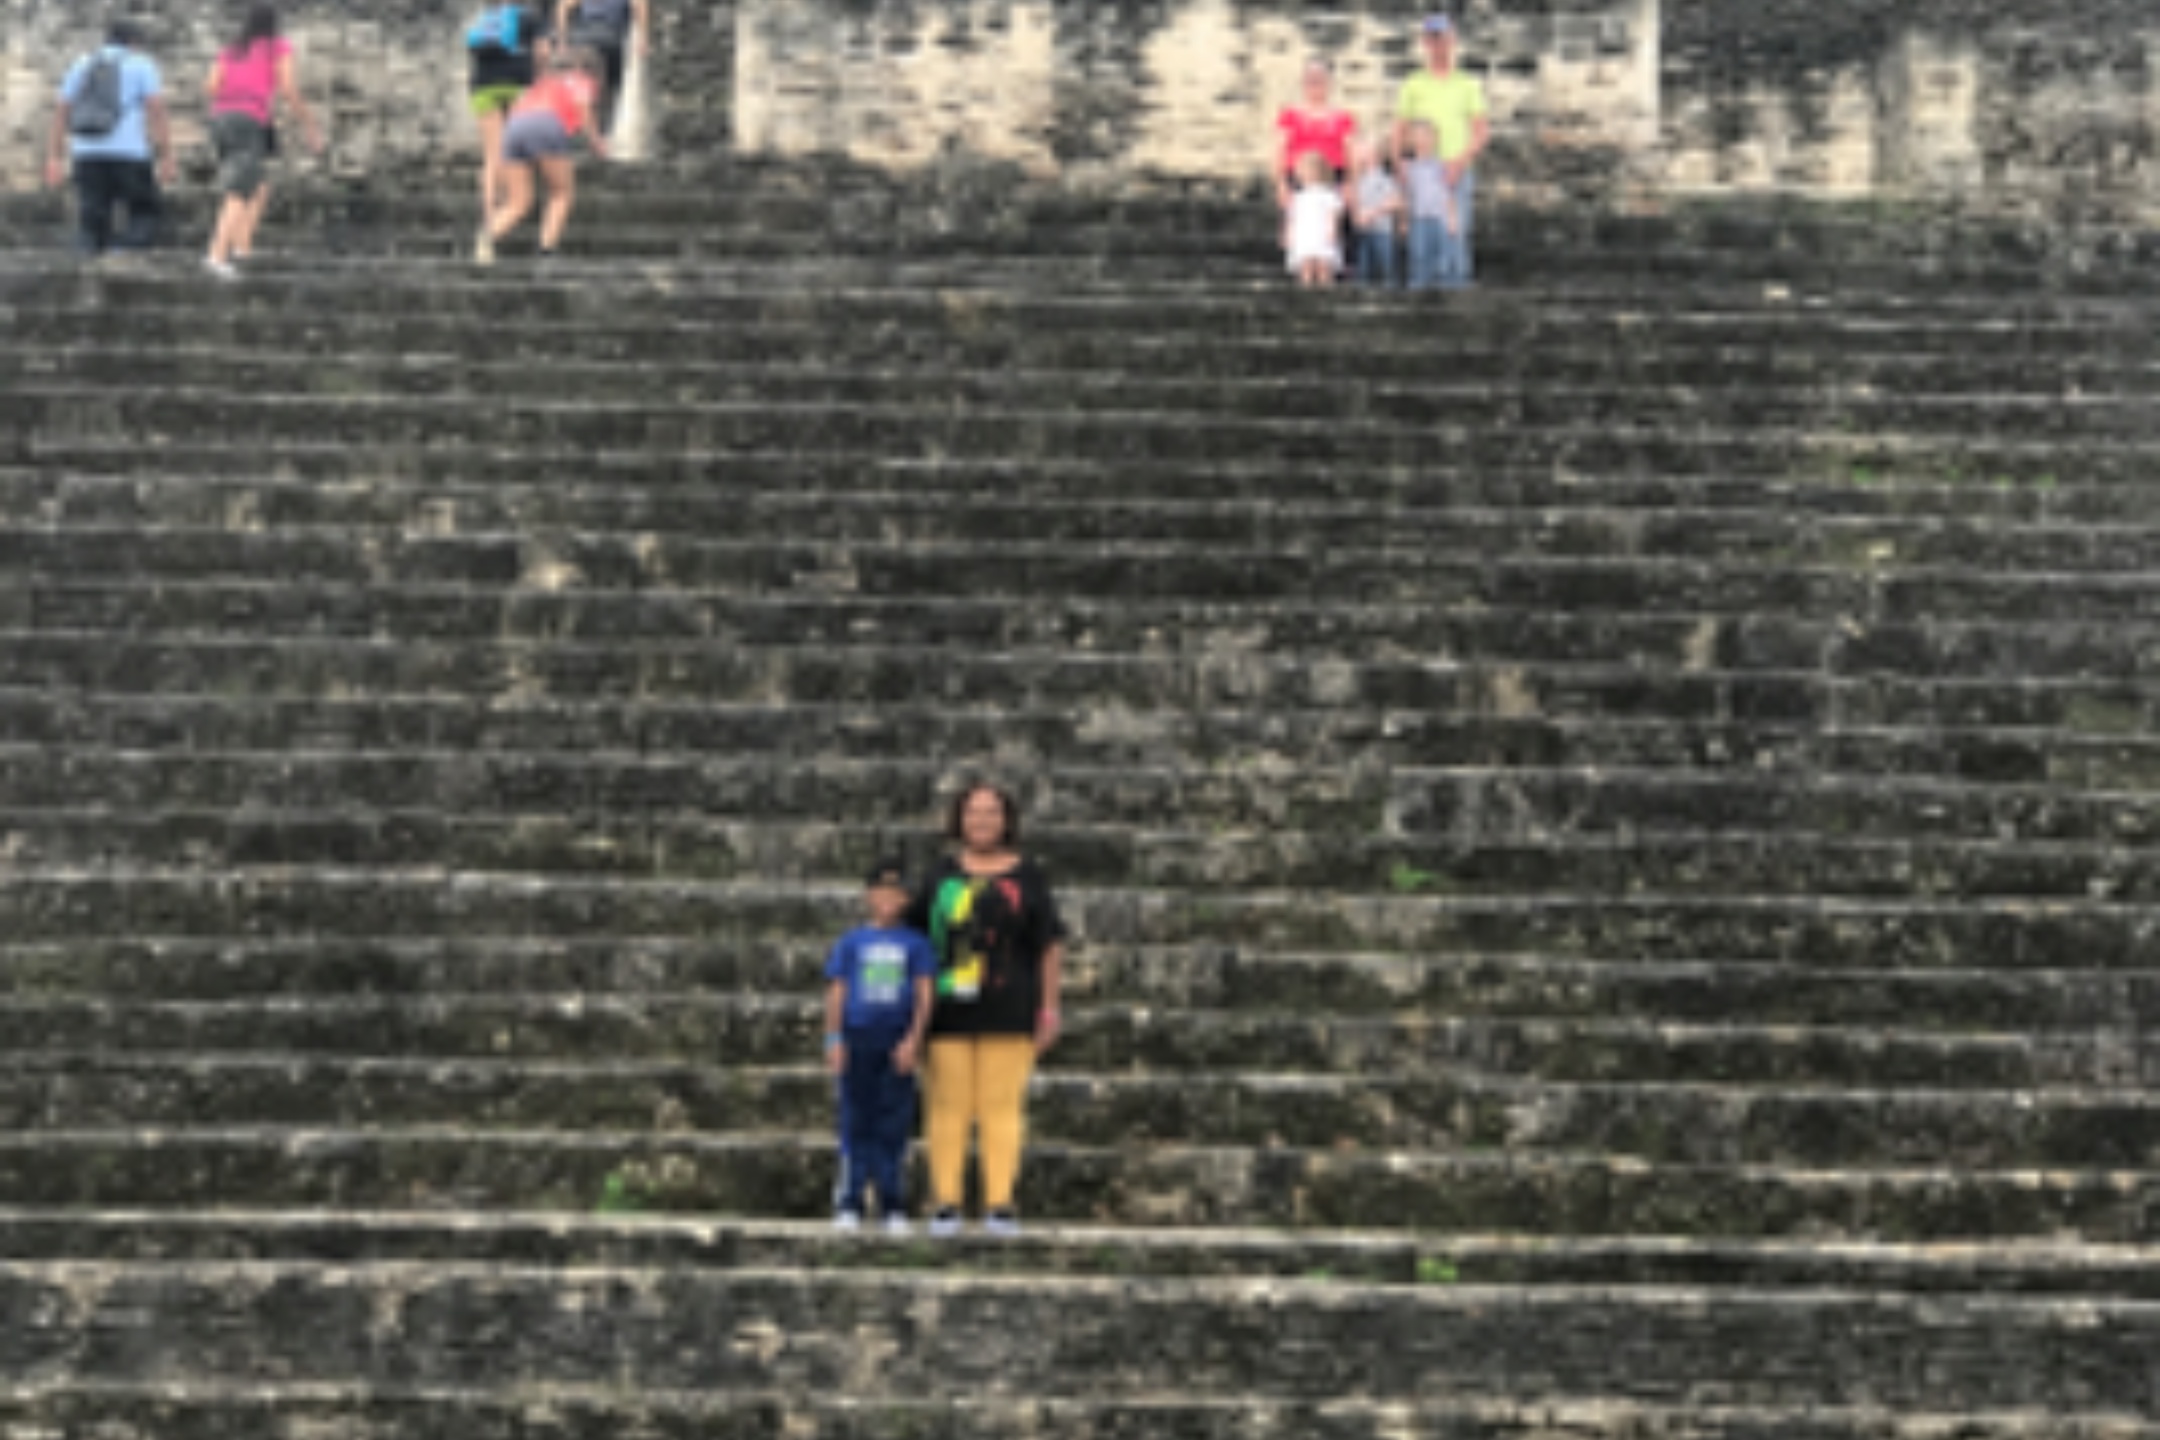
[908, 1053]
[835, 1046]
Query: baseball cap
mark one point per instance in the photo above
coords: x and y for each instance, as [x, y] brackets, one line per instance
[1438, 25]
[888, 871]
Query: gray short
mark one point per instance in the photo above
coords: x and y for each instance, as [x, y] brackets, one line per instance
[536, 136]
[243, 153]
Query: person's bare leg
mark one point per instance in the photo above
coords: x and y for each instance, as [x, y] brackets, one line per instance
[518, 183]
[491, 163]
[251, 216]
[560, 172]
[224, 238]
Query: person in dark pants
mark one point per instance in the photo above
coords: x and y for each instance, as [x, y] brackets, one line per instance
[110, 132]
[877, 1005]
[608, 28]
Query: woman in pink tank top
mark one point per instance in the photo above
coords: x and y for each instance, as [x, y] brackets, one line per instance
[250, 77]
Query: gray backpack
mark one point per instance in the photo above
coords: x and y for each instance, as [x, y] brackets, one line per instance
[101, 100]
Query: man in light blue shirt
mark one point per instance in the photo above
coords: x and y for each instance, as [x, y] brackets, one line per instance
[119, 165]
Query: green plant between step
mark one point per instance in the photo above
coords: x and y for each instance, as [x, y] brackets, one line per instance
[620, 1194]
[1437, 1270]
[1408, 879]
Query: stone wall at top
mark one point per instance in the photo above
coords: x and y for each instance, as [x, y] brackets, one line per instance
[2022, 101]
[2016, 102]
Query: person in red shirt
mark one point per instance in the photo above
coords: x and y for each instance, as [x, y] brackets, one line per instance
[542, 135]
[1316, 125]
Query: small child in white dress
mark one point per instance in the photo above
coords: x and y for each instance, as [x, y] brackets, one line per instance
[1316, 213]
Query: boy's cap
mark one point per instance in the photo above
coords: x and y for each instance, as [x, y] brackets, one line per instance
[886, 872]
[1438, 25]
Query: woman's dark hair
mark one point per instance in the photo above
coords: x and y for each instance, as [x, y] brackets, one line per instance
[957, 811]
[262, 24]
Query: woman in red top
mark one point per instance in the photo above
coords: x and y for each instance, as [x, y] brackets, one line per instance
[542, 134]
[1314, 126]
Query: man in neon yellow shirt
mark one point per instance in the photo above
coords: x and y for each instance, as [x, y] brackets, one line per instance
[1454, 105]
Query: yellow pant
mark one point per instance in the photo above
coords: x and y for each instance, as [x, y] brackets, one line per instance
[977, 1082]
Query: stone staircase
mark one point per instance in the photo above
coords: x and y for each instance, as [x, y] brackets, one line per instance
[1611, 821]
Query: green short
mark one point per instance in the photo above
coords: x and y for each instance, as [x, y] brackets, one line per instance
[493, 98]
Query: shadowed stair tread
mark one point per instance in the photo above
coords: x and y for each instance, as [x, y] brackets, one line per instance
[342, 668]
[640, 1327]
[1232, 740]
[1666, 1122]
[141, 901]
[1465, 805]
[1106, 588]
[206, 978]
[2007, 1267]
[1209, 865]
[1107, 1031]
[1979, 478]
[259, 1411]
[1583, 524]
[787, 1173]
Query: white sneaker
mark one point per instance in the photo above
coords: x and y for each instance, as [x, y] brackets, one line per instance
[483, 250]
[945, 1224]
[847, 1222]
[222, 269]
[898, 1225]
[1003, 1224]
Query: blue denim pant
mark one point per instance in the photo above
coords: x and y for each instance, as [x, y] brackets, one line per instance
[1376, 256]
[877, 1119]
[1436, 257]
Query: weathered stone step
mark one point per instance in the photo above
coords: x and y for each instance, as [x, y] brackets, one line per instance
[1016, 739]
[378, 1412]
[1983, 405]
[1870, 588]
[424, 356]
[1103, 687]
[1155, 1185]
[1665, 1122]
[628, 1330]
[1113, 1028]
[1319, 1257]
[1591, 427]
[583, 590]
[1229, 307]
[1465, 806]
[429, 486]
[1584, 522]
[146, 903]
[1543, 430]
[553, 842]
[171, 334]
[601, 993]
[1248, 250]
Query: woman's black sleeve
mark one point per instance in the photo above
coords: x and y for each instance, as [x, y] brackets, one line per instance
[1048, 923]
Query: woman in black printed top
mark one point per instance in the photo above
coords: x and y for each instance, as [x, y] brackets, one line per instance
[1000, 942]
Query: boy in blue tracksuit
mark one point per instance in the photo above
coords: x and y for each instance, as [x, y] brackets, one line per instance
[877, 1004]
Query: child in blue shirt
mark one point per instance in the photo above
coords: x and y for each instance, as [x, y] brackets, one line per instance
[877, 1004]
